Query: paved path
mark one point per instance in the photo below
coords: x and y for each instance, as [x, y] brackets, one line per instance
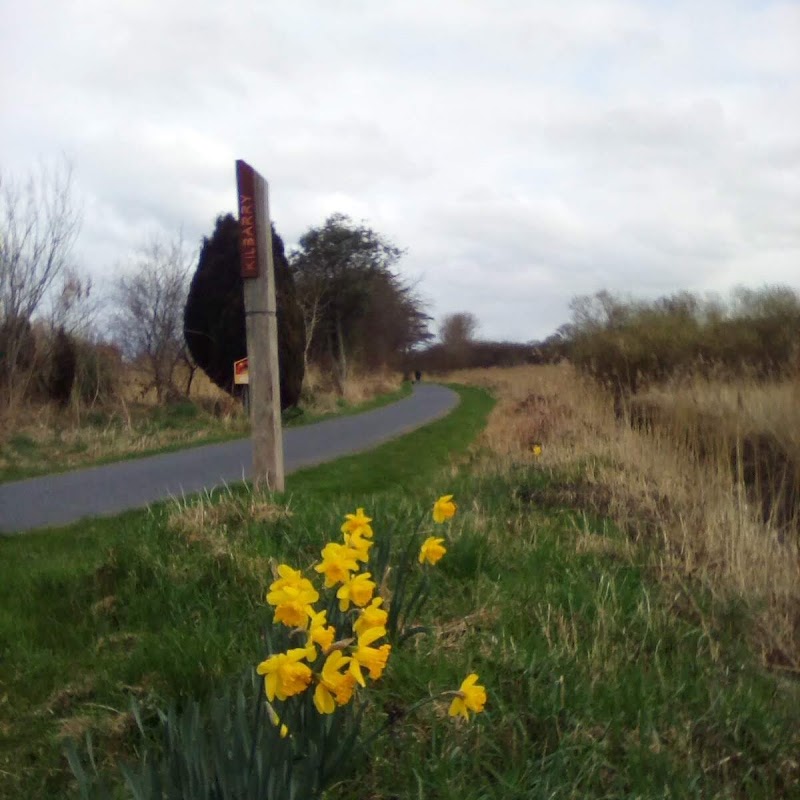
[97, 491]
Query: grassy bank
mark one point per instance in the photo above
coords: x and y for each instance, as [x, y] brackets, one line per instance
[601, 682]
[690, 492]
[609, 672]
[55, 441]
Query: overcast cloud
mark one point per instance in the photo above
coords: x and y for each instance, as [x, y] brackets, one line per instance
[523, 152]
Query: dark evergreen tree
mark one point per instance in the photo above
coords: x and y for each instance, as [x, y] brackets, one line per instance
[63, 364]
[214, 323]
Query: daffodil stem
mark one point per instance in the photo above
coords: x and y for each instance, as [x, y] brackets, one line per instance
[256, 726]
[410, 710]
[396, 612]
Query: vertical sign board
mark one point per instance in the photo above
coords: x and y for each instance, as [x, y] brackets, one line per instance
[246, 181]
[261, 320]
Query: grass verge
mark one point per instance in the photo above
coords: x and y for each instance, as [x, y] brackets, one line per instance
[106, 437]
[601, 683]
[294, 418]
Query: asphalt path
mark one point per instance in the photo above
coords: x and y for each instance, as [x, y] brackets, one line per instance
[99, 491]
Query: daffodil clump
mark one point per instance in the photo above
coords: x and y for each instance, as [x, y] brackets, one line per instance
[343, 632]
[331, 634]
[334, 667]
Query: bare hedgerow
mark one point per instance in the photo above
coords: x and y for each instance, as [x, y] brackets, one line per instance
[39, 222]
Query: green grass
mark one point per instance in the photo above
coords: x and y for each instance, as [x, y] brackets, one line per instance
[163, 429]
[602, 683]
[598, 686]
[96, 612]
[408, 461]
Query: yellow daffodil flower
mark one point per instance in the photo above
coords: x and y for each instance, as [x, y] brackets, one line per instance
[276, 720]
[371, 658]
[292, 595]
[319, 633]
[431, 550]
[356, 542]
[291, 587]
[338, 561]
[444, 508]
[288, 577]
[470, 697]
[334, 687]
[293, 614]
[373, 616]
[536, 449]
[358, 522]
[284, 675]
[358, 590]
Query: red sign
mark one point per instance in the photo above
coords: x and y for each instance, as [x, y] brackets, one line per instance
[246, 184]
[240, 371]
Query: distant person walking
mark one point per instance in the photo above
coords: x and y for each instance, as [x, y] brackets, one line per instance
[417, 376]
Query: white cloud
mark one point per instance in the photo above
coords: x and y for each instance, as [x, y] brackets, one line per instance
[522, 151]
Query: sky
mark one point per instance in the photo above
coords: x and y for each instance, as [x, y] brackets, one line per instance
[521, 152]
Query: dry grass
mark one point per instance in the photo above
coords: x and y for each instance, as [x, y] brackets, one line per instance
[195, 519]
[722, 413]
[43, 436]
[216, 526]
[548, 405]
[692, 502]
[47, 438]
[321, 394]
[135, 386]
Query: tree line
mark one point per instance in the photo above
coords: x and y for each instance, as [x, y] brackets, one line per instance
[341, 302]
[628, 344]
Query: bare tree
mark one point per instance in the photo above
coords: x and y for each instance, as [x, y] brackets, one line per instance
[39, 222]
[458, 329]
[313, 304]
[74, 305]
[150, 301]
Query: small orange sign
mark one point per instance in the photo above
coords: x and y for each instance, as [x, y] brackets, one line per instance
[240, 372]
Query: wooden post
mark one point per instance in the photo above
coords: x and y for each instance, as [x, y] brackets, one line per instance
[258, 273]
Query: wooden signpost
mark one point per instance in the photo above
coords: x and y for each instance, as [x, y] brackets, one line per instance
[260, 310]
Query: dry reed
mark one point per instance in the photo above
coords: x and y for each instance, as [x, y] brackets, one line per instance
[677, 487]
[322, 394]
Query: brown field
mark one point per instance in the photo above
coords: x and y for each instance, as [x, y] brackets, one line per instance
[710, 479]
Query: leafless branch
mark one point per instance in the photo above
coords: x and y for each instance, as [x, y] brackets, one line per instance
[39, 222]
[150, 301]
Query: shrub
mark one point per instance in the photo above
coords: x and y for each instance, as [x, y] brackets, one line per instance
[627, 345]
[97, 372]
[63, 365]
